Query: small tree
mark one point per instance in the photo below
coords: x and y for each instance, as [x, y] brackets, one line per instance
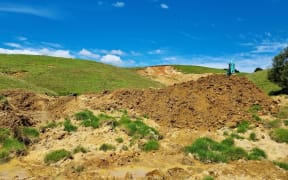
[279, 72]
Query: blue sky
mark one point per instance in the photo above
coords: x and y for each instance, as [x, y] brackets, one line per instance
[148, 32]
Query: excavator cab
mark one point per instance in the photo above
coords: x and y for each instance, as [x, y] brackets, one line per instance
[231, 68]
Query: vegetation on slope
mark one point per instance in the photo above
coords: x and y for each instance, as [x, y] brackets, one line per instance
[63, 76]
[186, 69]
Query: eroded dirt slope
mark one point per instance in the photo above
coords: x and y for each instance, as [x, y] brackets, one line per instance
[209, 103]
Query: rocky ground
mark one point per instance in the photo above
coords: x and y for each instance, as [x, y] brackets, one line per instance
[211, 107]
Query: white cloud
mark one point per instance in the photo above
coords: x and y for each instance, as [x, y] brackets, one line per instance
[50, 44]
[117, 52]
[14, 45]
[111, 59]
[164, 6]
[42, 51]
[170, 59]
[270, 47]
[119, 4]
[22, 9]
[156, 51]
[22, 38]
[88, 54]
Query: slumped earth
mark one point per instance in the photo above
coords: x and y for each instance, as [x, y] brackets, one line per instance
[212, 127]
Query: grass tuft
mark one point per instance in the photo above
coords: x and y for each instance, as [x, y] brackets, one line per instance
[257, 154]
[282, 165]
[88, 119]
[13, 145]
[79, 149]
[280, 135]
[285, 122]
[56, 156]
[243, 126]
[255, 108]
[107, 147]
[151, 145]
[4, 155]
[4, 134]
[253, 136]
[274, 124]
[68, 126]
[30, 132]
[119, 140]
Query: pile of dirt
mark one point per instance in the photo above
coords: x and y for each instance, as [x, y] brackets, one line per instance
[209, 103]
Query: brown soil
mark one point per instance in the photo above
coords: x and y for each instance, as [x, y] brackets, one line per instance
[209, 103]
[168, 75]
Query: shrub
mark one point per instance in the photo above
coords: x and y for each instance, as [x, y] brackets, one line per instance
[283, 113]
[274, 124]
[228, 141]
[68, 126]
[285, 122]
[208, 150]
[253, 137]
[56, 156]
[4, 155]
[80, 149]
[119, 140]
[256, 154]
[151, 145]
[242, 127]
[124, 148]
[282, 165]
[13, 145]
[107, 147]
[50, 125]
[256, 117]
[225, 133]
[30, 132]
[235, 135]
[4, 134]
[280, 135]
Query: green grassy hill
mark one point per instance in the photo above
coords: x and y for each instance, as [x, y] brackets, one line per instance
[62, 76]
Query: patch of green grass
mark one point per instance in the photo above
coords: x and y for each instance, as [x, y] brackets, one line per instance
[30, 132]
[208, 178]
[208, 150]
[4, 155]
[151, 145]
[256, 117]
[283, 113]
[285, 122]
[88, 119]
[124, 148]
[57, 155]
[4, 134]
[253, 136]
[63, 76]
[119, 140]
[243, 126]
[107, 147]
[280, 135]
[228, 141]
[197, 69]
[13, 145]
[255, 108]
[68, 126]
[260, 79]
[237, 136]
[49, 125]
[282, 165]
[257, 154]
[274, 124]
[79, 149]
[138, 128]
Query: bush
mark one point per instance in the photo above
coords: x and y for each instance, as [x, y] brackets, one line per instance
[107, 147]
[68, 126]
[235, 135]
[280, 135]
[13, 145]
[228, 141]
[256, 117]
[151, 145]
[285, 122]
[79, 149]
[258, 69]
[282, 165]
[56, 156]
[30, 132]
[208, 150]
[279, 71]
[50, 125]
[274, 124]
[253, 137]
[119, 140]
[257, 154]
[4, 134]
[243, 127]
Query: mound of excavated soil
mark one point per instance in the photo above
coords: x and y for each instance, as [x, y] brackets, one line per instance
[208, 103]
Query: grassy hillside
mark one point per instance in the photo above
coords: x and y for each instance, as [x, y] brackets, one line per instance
[63, 76]
[197, 69]
[260, 79]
